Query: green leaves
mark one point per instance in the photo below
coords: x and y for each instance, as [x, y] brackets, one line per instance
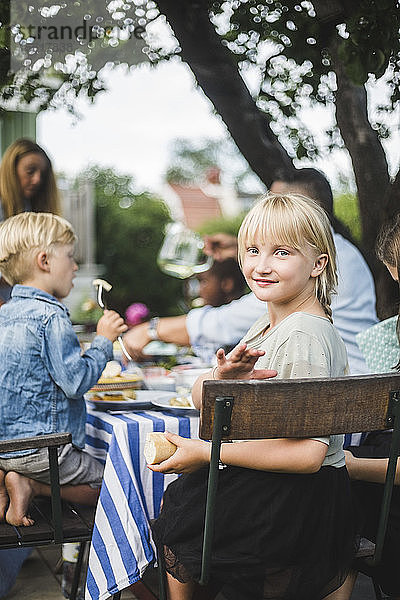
[129, 233]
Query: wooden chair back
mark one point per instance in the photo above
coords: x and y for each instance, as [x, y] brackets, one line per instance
[301, 407]
[298, 408]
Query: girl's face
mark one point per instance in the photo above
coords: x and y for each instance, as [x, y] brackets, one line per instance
[279, 274]
[31, 172]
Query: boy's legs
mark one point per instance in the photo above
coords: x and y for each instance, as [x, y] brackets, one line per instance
[21, 491]
[29, 476]
[3, 495]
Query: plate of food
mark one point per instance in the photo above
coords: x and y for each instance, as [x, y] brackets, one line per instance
[114, 379]
[126, 399]
[175, 403]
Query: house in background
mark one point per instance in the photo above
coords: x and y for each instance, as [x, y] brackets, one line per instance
[195, 204]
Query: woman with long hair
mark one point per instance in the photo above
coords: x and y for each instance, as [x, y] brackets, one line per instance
[27, 183]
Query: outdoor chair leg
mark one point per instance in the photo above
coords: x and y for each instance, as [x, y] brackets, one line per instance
[77, 571]
[162, 578]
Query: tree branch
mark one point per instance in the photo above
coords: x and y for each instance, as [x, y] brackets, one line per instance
[366, 152]
[217, 74]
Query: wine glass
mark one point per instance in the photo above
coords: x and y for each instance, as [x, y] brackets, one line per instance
[181, 254]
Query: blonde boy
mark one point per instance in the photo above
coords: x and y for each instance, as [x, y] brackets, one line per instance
[43, 375]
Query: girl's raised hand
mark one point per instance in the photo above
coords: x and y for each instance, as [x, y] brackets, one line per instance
[239, 364]
[111, 325]
[190, 455]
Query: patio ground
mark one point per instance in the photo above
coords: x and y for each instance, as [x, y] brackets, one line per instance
[36, 580]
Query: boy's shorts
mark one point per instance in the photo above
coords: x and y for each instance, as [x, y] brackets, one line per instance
[75, 466]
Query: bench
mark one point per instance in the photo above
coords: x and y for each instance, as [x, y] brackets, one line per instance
[298, 408]
[56, 521]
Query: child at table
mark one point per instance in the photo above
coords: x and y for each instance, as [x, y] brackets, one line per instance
[283, 519]
[367, 463]
[43, 375]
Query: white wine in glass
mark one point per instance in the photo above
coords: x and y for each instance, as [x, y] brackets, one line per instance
[181, 254]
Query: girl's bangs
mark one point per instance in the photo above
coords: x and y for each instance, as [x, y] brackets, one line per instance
[279, 223]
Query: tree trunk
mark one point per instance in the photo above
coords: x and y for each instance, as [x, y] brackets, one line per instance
[217, 74]
[372, 178]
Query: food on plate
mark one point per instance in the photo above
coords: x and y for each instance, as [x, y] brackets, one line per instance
[157, 448]
[130, 394]
[96, 398]
[112, 375]
[183, 401]
[114, 396]
[112, 369]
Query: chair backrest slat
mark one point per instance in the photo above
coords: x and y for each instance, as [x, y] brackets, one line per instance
[301, 407]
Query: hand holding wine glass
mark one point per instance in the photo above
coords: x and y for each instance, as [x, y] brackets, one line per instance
[181, 254]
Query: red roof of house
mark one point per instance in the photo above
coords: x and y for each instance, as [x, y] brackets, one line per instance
[196, 205]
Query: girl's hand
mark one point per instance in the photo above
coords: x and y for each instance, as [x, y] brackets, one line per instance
[239, 364]
[190, 455]
[111, 325]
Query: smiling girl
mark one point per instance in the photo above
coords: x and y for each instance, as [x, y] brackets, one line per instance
[284, 520]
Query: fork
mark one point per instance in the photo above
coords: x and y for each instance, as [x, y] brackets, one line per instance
[101, 285]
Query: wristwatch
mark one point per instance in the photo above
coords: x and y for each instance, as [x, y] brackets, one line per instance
[152, 329]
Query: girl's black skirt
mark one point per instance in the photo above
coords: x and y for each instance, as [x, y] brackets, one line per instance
[277, 536]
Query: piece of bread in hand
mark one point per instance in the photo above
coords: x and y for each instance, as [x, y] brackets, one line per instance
[157, 448]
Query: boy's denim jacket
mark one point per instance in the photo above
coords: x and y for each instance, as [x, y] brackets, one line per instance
[43, 374]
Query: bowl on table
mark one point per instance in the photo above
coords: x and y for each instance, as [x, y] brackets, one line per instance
[185, 376]
[158, 378]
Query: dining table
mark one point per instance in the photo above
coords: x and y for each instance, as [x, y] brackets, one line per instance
[130, 497]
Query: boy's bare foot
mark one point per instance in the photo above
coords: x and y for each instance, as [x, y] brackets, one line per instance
[3, 496]
[20, 490]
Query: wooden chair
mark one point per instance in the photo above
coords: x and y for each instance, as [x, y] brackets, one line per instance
[299, 408]
[56, 521]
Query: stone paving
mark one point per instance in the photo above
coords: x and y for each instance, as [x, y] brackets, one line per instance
[36, 580]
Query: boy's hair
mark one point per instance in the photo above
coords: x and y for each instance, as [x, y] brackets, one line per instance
[10, 190]
[299, 222]
[388, 251]
[25, 234]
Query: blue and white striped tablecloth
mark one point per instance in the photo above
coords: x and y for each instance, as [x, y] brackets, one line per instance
[130, 496]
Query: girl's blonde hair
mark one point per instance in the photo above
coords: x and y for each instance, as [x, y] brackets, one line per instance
[47, 199]
[296, 221]
[24, 235]
[388, 251]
